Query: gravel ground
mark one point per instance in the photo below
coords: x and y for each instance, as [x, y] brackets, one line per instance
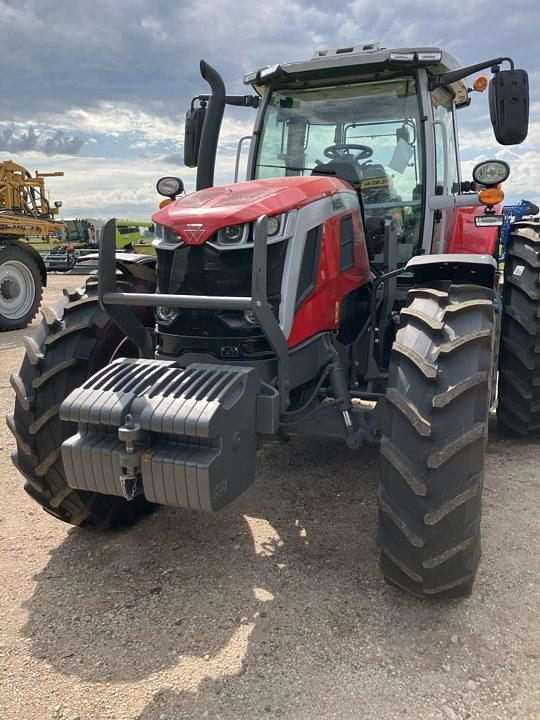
[274, 608]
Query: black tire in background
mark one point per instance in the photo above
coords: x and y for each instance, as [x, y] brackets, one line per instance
[21, 288]
[75, 339]
[434, 440]
[518, 409]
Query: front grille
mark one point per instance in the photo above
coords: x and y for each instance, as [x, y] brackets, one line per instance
[209, 270]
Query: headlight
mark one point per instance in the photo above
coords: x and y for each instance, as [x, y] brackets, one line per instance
[163, 234]
[240, 234]
[273, 225]
[169, 186]
[167, 314]
[233, 234]
[491, 172]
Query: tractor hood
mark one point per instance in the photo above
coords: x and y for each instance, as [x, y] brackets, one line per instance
[198, 216]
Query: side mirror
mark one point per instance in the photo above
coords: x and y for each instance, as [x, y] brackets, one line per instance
[192, 135]
[509, 106]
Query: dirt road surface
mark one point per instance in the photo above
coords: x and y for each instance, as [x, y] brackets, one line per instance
[273, 609]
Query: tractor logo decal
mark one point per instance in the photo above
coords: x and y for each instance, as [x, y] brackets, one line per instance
[193, 234]
[220, 489]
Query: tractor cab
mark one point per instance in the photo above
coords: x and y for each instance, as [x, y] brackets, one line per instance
[383, 121]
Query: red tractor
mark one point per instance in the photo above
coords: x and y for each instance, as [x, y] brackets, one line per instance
[347, 290]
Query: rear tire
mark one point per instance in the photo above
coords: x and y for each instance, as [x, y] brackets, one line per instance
[518, 410]
[21, 288]
[434, 440]
[75, 339]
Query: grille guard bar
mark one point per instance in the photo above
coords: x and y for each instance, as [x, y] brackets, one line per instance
[118, 304]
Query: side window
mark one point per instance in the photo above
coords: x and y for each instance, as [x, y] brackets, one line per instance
[275, 140]
[447, 162]
[310, 265]
[347, 242]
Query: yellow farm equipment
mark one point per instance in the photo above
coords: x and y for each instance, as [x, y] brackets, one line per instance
[25, 213]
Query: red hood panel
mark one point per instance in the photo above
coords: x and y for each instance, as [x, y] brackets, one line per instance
[197, 216]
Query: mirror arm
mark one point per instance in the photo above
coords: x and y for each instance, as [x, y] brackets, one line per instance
[237, 100]
[436, 81]
[202, 99]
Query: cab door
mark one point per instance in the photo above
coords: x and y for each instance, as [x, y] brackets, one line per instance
[447, 170]
[442, 173]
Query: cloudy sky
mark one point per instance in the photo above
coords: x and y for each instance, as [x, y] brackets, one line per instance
[99, 89]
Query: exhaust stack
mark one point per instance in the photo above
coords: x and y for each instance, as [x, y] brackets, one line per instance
[211, 127]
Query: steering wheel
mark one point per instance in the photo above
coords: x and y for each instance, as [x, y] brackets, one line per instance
[342, 151]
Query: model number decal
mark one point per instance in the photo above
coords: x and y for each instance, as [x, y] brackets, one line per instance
[220, 489]
[338, 204]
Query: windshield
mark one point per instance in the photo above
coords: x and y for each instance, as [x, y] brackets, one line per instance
[376, 128]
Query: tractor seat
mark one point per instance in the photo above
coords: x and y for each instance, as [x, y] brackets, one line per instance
[374, 183]
[348, 171]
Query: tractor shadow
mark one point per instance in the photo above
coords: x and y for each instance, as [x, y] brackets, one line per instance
[294, 585]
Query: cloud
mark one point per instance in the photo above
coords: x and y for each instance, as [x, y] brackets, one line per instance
[142, 51]
[130, 126]
[484, 138]
[105, 187]
[154, 27]
[62, 144]
[10, 141]
[78, 54]
[51, 142]
[106, 85]
[15, 16]
[173, 159]
[116, 118]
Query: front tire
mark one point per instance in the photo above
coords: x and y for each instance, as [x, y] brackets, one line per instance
[434, 440]
[75, 339]
[518, 410]
[21, 288]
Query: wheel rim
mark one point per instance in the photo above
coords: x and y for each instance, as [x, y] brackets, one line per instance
[17, 289]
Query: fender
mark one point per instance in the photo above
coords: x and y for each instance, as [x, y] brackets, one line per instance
[458, 268]
[141, 267]
[26, 247]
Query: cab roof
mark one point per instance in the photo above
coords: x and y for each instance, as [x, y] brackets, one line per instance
[350, 62]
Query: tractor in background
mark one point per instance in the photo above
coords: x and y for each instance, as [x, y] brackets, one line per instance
[347, 290]
[77, 253]
[513, 214]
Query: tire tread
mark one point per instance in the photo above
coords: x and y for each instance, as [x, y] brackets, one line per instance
[74, 340]
[434, 440]
[518, 410]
